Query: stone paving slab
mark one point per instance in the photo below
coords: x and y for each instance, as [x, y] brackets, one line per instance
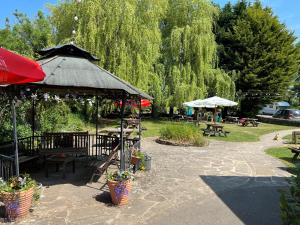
[223, 183]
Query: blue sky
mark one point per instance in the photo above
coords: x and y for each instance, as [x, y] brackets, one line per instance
[287, 10]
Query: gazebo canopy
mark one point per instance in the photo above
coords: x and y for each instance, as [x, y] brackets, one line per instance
[70, 67]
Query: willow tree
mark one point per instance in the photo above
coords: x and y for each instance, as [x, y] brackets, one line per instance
[123, 34]
[189, 52]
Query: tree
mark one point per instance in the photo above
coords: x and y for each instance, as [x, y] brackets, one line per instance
[27, 36]
[123, 34]
[260, 49]
[189, 53]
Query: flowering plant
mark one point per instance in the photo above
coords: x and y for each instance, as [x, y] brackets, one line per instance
[119, 176]
[16, 184]
[120, 189]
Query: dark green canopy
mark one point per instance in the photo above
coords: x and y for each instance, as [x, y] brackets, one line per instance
[70, 67]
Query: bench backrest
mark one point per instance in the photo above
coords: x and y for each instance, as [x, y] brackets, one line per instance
[65, 142]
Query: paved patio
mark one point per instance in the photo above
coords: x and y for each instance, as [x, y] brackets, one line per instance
[223, 183]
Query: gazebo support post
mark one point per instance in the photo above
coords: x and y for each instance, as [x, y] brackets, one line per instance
[97, 119]
[140, 120]
[122, 155]
[15, 135]
[33, 122]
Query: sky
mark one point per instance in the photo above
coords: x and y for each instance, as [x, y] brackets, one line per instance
[288, 11]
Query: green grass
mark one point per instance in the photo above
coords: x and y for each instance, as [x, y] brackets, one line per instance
[237, 133]
[249, 133]
[153, 127]
[76, 123]
[285, 155]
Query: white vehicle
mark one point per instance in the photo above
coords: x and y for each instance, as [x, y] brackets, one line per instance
[271, 109]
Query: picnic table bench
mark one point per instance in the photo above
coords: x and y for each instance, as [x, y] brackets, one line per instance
[246, 121]
[214, 129]
[296, 152]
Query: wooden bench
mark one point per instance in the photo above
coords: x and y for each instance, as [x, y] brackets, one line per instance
[100, 167]
[68, 143]
[296, 152]
[296, 137]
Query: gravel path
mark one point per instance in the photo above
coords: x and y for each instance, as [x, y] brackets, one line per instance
[223, 183]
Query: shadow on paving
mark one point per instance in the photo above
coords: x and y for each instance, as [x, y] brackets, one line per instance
[254, 200]
[81, 177]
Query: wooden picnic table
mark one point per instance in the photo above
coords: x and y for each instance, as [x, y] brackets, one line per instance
[247, 121]
[214, 129]
[117, 131]
[131, 122]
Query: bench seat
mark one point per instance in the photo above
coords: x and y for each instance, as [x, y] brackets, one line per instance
[296, 152]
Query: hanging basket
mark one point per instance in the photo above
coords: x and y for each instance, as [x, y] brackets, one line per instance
[17, 204]
[119, 191]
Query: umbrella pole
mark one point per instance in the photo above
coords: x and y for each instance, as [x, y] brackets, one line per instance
[140, 120]
[13, 107]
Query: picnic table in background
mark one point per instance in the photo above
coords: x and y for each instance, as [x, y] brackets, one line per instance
[232, 119]
[131, 123]
[117, 131]
[214, 129]
[246, 121]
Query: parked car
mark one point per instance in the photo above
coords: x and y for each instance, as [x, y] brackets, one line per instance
[287, 114]
[271, 109]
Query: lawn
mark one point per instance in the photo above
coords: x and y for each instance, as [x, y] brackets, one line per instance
[237, 133]
[285, 155]
[242, 134]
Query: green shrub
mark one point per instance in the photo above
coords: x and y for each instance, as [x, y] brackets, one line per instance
[182, 134]
[290, 202]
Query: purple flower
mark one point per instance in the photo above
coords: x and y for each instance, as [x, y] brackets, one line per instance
[120, 190]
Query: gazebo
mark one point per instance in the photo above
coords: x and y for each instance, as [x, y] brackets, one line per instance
[71, 73]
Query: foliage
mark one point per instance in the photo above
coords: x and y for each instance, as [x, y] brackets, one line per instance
[141, 155]
[23, 124]
[124, 35]
[183, 134]
[17, 184]
[290, 201]
[119, 176]
[52, 116]
[189, 53]
[255, 44]
[26, 36]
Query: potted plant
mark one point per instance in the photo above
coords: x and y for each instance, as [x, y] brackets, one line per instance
[138, 160]
[16, 194]
[120, 186]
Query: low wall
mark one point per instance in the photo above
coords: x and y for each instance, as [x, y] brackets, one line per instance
[270, 119]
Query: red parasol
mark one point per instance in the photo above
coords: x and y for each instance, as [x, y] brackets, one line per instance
[16, 69]
[144, 103]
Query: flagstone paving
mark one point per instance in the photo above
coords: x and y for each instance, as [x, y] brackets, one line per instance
[223, 183]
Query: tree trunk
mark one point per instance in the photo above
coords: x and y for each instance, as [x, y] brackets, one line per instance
[171, 112]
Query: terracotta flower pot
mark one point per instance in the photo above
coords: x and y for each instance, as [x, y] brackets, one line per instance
[119, 191]
[17, 204]
[135, 160]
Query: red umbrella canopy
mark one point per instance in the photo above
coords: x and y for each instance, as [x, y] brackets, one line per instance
[144, 103]
[17, 69]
